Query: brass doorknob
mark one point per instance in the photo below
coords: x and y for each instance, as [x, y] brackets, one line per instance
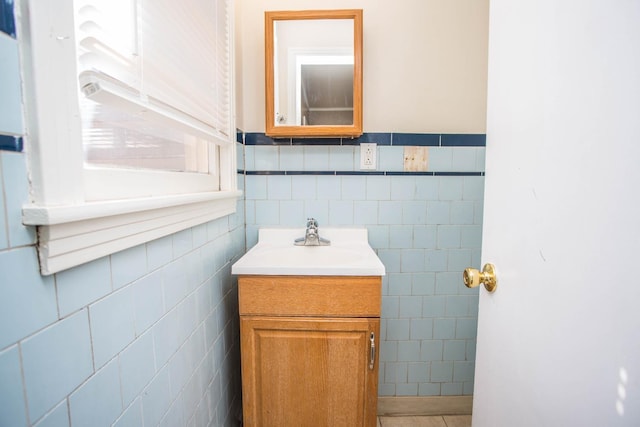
[487, 277]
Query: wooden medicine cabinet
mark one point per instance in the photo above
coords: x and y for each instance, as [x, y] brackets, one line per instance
[313, 73]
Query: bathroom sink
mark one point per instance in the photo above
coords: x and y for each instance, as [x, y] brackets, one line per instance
[349, 254]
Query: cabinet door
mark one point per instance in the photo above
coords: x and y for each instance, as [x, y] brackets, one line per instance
[309, 371]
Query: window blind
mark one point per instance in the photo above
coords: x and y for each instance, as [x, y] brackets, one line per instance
[160, 61]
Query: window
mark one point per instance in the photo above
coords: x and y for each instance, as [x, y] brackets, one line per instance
[130, 128]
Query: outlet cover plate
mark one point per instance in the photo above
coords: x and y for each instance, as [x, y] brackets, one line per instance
[368, 156]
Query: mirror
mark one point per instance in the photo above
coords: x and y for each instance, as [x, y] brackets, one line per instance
[313, 73]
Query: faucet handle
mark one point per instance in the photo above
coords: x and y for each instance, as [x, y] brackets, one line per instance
[311, 222]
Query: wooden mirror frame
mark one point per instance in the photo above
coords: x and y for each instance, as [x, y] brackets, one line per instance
[353, 130]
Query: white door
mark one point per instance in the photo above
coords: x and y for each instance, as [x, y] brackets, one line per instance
[559, 339]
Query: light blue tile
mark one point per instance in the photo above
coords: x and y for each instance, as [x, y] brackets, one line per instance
[414, 212]
[449, 283]
[365, 213]
[378, 235]
[431, 350]
[464, 159]
[480, 159]
[318, 209]
[440, 159]
[341, 212]
[55, 362]
[4, 236]
[463, 370]
[304, 187]
[466, 328]
[11, 389]
[408, 351]
[399, 284]
[457, 305]
[389, 213]
[166, 335]
[441, 371]
[131, 417]
[378, 188]
[266, 158]
[174, 285]
[398, 329]
[174, 416]
[250, 212]
[444, 329]
[329, 187]
[27, 299]
[386, 389]
[455, 350]
[391, 260]
[427, 188]
[449, 236]
[410, 306]
[413, 260]
[291, 158]
[400, 236]
[279, 187]
[429, 389]
[473, 188]
[406, 389]
[147, 301]
[341, 157]
[388, 351]
[467, 389]
[471, 350]
[200, 235]
[82, 285]
[182, 242]
[473, 305]
[451, 187]
[471, 236]
[478, 212]
[418, 372]
[436, 260]
[462, 212]
[137, 366]
[423, 284]
[256, 187]
[267, 212]
[292, 213]
[128, 265]
[433, 306]
[403, 188]
[16, 192]
[316, 158]
[390, 307]
[354, 188]
[424, 236]
[98, 401]
[395, 372]
[391, 159]
[249, 158]
[240, 156]
[421, 329]
[58, 417]
[438, 212]
[112, 325]
[459, 259]
[451, 389]
[156, 399]
[159, 252]
[10, 84]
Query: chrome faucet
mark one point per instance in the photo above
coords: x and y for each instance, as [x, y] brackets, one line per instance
[311, 236]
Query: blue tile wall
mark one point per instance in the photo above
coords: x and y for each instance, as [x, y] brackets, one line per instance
[426, 227]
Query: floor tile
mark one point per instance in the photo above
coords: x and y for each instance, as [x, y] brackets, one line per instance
[457, 420]
[413, 421]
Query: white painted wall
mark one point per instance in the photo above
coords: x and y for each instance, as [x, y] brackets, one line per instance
[425, 63]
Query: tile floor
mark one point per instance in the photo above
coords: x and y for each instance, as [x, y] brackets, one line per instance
[426, 421]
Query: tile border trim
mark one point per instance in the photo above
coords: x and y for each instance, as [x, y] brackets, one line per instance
[380, 138]
[357, 173]
[11, 143]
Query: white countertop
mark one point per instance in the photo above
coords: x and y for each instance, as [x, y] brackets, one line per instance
[349, 254]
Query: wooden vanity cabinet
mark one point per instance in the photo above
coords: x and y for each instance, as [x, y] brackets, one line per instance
[309, 350]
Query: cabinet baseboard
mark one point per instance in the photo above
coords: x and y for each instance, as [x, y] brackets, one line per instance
[428, 405]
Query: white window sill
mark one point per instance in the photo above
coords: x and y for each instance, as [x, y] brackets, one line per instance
[72, 235]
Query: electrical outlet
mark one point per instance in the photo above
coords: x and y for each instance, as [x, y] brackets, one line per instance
[368, 156]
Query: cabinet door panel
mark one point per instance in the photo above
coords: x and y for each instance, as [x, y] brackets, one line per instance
[308, 372]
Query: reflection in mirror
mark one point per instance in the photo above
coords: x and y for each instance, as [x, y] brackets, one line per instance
[314, 73]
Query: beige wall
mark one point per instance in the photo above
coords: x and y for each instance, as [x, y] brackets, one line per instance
[425, 63]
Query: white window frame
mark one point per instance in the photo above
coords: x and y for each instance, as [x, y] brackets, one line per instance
[72, 228]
